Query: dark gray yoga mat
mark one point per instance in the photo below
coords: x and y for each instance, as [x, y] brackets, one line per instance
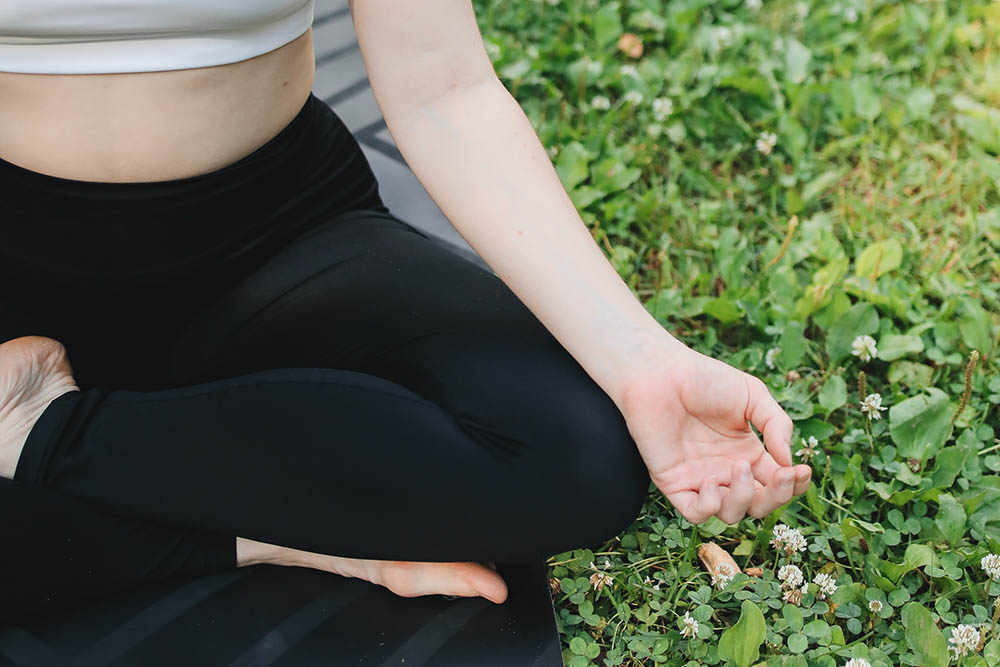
[292, 617]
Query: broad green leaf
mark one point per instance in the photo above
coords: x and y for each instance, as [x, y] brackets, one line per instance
[793, 136]
[819, 291]
[793, 616]
[723, 309]
[894, 346]
[879, 258]
[797, 59]
[950, 518]
[798, 642]
[833, 394]
[919, 102]
[983, 131]
[861, 318]
[608, 24]
[740, 644]
[866, 101]
[976, 328]
[572, 165]
[991, 653]
[792, 344]
[920, 425]
[911, 373]
[923, 636]
[516, 70]
[818, 185]
[947, 464]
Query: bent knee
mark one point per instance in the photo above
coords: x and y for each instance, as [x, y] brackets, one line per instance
[598, 474]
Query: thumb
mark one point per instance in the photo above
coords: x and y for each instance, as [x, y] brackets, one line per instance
[770, 419]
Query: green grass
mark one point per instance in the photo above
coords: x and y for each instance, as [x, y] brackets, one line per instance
[887, 124]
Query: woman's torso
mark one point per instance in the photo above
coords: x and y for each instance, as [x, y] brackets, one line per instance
[151, 126]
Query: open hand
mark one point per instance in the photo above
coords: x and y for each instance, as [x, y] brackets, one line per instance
[690, 416]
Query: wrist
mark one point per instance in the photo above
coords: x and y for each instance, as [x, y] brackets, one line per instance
[657, 353]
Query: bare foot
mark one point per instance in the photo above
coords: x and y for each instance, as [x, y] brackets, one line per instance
[404, 578]
[34, 371]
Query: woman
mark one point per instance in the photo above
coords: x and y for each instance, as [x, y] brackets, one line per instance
[221, 348]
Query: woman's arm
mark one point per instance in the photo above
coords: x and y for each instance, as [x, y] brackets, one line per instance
[471, 146]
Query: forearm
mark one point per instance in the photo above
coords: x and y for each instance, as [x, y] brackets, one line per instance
[478, 156]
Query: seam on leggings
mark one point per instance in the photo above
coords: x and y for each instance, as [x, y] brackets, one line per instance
[250, 323]
[133, 399]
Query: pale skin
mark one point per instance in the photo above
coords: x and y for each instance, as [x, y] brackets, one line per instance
[471, 146]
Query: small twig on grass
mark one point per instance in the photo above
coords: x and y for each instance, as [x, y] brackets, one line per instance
[792, 224]
[970, 368]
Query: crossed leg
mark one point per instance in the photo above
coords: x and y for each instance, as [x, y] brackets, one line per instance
[364, 393]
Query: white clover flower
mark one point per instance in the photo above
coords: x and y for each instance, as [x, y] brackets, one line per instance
[827, 587]
[864, 347]
[753, 5]
[690, 628]
[594, 67]
[607, 563]
[770, 355]
[766, 143]
[788, 539]
[600, 102]
[723, 35]
[790, 576]
[875, 606]
[633, 96]
[600, 579]
[723, 574]
[851, 15]
[662, 107]
[809, 449]
[857, 662]
[964, 639]
[991, 566]
[880, 59]
[794, 595]
[802, 9]
[629, 70]
[872, 405]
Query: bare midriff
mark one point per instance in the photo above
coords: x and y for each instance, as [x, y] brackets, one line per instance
[152, 126]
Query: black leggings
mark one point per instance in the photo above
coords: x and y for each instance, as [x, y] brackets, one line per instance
[327, 378]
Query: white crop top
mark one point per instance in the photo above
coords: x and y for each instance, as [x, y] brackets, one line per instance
[108, 36]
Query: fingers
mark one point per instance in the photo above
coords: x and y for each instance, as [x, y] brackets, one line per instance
[756, 490]
[777, 491]
[770, 419]
[741, 491]
[803, 475]
[698, 506]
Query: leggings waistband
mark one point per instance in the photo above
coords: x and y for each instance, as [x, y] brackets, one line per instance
[63, 230]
